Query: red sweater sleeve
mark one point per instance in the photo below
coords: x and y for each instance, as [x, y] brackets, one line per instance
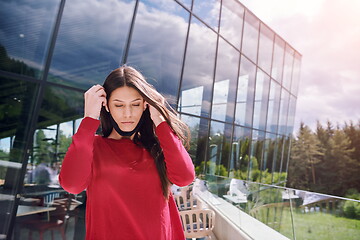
[179, 166]
[76, 168]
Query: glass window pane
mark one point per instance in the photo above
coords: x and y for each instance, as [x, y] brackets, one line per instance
[245, 93]
[198, 71]
[291, 116]
[226, 74]
[278, 59]
[250, 37]
[261, 100]
[187, 3]
[199, 135]
[208, 11]
[288, 66]
[88, 47]
[273, 108]
[160, 55]
[17, 103]
[284, 106]
[278, 158]
[256, 153]
[296, 74]
[285, 160]
[232, 17]
[219, 149]
[266, 43]
[239, 157]
[268, 158]
[26, 29]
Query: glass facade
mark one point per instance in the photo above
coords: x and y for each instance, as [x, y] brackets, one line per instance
[232, 79]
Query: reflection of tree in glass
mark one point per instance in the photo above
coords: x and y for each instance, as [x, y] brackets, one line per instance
[15, 66]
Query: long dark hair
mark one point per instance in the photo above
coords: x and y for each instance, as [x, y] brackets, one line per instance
[128, 76]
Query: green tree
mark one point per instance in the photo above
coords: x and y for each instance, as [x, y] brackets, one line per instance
[340, 153]
[306, 152]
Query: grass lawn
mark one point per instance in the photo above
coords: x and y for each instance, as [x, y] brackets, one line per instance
[319, 226]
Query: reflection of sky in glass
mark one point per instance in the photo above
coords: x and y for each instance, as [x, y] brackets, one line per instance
[90, 42]
[220, 98]
[5, 145]
[274, 101]
[25, 29]
[261, 100]
[190, 100]
[284, 104]
[277, 66]
[241, 99]
[250, 37]
[232, 14]
[288, 64]
[291, 116]
[158, 44]
[216, 128]
[265, 48]
[208, 11]
[67, 128]
[296, 75]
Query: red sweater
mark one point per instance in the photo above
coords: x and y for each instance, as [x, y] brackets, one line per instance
[124, 195]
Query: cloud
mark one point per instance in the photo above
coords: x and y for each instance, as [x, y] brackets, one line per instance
[327, 34]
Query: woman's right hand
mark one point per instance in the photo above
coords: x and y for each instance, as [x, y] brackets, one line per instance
[95, 98]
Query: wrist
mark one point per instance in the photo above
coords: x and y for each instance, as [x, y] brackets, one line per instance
[158, 120]
[91, 116]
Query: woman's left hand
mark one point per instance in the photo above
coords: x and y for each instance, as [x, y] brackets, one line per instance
[155, 115]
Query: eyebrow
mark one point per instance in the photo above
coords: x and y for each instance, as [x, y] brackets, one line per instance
[118, 100]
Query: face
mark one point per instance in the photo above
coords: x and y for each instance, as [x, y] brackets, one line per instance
[126, 106]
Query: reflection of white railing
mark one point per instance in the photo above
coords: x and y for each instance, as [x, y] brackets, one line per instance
[10, 164]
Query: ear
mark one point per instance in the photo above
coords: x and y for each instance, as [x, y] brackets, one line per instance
[146, 105]
[106, 107]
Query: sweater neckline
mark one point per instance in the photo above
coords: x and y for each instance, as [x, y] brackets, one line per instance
[128, 140]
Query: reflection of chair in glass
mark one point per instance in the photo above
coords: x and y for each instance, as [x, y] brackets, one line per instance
[55, 222]
[270, 214]
[197, 223]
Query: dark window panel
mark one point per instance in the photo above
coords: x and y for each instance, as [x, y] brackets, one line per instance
[239, 157]
[256, 155]
[17, 104]
[268, 158]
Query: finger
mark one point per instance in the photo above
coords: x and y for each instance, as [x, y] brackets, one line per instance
[101, 93]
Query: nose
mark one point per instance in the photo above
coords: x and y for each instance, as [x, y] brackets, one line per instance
[127, 112]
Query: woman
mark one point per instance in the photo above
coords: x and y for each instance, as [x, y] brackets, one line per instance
[128, 171]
